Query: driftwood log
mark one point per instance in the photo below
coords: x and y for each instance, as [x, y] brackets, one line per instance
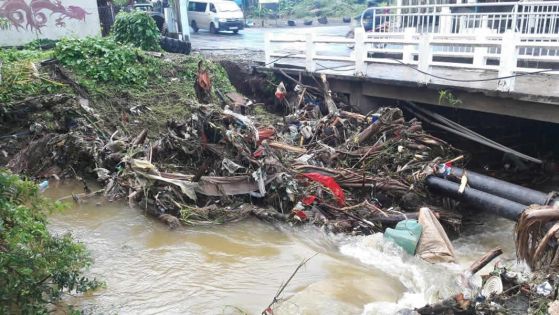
[485, 259]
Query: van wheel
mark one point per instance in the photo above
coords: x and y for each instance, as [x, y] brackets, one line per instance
[236, 32]
[213, 30]
[194, 26]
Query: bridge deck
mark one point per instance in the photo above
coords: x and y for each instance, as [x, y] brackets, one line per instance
[541, 87]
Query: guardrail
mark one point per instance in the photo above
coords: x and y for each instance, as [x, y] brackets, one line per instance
[529, 17]
[508, 53]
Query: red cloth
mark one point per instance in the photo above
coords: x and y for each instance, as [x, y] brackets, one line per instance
[330, 183]
[280, 95]
[307, 201]
[259, 152]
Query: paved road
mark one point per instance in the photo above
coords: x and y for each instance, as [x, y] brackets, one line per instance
[252, 40]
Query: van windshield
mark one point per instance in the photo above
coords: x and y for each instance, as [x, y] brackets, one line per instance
[227, 6]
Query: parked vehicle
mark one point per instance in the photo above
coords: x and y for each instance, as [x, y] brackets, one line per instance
[215, 16]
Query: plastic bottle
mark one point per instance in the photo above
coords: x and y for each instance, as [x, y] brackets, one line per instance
[43, 185]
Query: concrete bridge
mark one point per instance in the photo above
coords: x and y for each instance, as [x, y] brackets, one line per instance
[499, 58]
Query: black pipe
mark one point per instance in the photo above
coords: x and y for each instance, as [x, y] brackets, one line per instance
[482, 200]
[497, 187]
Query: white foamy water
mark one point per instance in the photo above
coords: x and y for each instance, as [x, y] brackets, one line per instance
[424, 282]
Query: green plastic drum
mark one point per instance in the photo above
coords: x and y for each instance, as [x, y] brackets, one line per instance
[406, 235]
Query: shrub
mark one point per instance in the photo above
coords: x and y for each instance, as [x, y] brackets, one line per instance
[136, 28]
[102, 59]
[35, 266]
[4, 23]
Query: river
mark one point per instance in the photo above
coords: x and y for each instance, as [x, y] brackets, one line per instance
[238, 268]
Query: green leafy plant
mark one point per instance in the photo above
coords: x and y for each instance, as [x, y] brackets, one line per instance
[35, 266]
[448, 98]
[136, 28]
[104, 60]
[4, 23]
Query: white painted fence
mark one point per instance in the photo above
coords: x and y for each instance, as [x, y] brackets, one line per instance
[504, 53]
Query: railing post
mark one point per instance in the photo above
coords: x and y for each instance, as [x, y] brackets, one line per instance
[445, 22]
[360, 52]
[310, 65]
[407, 49]
[514, 17]
[267, 50]
[425, 57]
[508, 61]
[399, 13]
[480, 52]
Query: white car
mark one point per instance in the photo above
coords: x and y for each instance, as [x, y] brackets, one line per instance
[215, 15]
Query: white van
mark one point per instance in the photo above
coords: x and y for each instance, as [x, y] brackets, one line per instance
[215, 15]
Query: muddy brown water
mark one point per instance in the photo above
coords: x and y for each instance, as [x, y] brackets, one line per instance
[238, 268]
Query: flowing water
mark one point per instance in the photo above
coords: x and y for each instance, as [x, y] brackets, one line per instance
[238, 268]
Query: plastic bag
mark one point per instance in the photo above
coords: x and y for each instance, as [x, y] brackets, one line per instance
[434, 245]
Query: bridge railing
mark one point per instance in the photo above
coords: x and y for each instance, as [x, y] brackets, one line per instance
[530, 17]
[507, 53]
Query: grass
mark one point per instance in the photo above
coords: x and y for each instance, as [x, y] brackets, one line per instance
[168, 96]
[131, 105]
[22, 78]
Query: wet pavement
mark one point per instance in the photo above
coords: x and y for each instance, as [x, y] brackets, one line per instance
[250, 42]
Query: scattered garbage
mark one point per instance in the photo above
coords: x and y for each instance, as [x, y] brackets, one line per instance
[544, 289]
[44, 185]
[434, 245]
[315, 162]
[493, 285]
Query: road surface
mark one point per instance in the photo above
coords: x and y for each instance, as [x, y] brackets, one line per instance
[249, 43]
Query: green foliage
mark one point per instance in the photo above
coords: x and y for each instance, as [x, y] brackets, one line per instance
[35, 266]
[330, 8]
[4, 23]
[120, 3]
[136, 28]
[41, 44]
[104, 60]
[446, 97]
[22, 77]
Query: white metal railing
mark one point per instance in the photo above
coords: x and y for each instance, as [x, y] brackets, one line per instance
[505, 53]
[527, 17]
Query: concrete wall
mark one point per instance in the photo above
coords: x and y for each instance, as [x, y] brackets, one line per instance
[48, 19]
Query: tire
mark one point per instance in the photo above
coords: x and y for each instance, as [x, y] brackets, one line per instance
[213, 30]
[236, 32]
[174, 45]
[194, 26]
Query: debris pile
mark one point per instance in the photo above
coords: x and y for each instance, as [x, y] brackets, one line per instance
[349, 172]
[504, 290]
[222, 157]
